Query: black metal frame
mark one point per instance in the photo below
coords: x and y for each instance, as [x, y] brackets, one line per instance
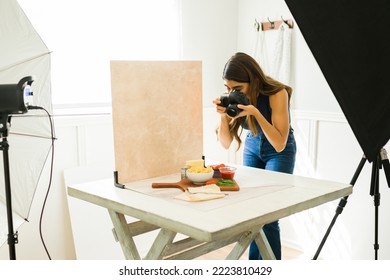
[4, 146]
[381, 161]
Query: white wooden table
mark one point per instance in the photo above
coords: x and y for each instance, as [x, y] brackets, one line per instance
[263, 197]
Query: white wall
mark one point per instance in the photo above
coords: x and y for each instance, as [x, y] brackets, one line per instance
[311, 92]
[210, 34]
[327, 149]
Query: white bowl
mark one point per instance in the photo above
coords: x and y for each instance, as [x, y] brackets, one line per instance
[200, 178]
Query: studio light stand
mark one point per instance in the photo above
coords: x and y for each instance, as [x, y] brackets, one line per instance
[380, 162]
[12, 236]
[14, 99]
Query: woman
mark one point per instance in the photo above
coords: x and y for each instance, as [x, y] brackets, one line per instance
[270, 142]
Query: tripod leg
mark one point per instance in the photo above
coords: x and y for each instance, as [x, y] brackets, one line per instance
[385, 165]
[374, 192]
[340, 207]
[374, 176]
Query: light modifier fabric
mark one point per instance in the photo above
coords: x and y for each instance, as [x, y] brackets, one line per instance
[348, 39]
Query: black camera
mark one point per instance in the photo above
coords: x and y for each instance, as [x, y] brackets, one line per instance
[231, 101]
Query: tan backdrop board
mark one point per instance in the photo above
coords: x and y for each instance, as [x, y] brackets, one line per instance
[157, 117]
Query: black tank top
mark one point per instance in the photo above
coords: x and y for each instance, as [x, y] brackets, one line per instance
[265, 109]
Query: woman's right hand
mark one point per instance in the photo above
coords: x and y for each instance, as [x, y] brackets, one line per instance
[220, 109]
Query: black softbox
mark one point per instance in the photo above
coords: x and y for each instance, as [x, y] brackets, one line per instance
[350, 41]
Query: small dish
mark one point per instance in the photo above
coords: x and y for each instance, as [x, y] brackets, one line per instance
[227, 172]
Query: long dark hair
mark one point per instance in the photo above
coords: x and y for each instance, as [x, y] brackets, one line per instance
[243, 68]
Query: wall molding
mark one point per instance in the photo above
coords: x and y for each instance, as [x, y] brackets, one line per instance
[318, 116]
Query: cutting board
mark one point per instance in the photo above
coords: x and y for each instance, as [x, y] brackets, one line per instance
[184, 184]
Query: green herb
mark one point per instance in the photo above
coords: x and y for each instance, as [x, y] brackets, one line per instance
[225, 183]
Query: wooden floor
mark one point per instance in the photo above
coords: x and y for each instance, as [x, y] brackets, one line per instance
[288, 254]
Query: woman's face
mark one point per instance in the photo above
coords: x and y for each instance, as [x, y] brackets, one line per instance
[233, 85]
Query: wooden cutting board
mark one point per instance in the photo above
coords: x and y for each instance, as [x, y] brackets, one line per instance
[184, 184]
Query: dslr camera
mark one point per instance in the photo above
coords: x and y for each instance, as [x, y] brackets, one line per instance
[231, 101]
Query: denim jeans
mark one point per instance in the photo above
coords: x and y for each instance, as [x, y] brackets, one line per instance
[259, 153]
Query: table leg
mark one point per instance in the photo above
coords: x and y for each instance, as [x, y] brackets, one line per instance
[264, 247]
[124, 236]
[242, 244]
[164, 238]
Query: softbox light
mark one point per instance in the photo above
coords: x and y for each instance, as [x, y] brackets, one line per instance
[348, 39]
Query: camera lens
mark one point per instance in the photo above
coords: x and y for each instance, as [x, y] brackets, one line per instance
[233, 110]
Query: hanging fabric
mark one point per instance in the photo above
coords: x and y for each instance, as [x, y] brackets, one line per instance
[272, 50]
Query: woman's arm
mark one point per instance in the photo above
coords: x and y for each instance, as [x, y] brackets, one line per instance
[277, 132]
[224, 135]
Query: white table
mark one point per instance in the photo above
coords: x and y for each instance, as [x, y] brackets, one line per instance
[263, 197]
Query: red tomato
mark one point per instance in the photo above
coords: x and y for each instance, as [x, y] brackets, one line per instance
[219, 166]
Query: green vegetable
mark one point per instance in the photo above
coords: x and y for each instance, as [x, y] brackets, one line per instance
[225, 183]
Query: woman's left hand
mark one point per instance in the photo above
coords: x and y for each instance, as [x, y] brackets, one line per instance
[247, 110]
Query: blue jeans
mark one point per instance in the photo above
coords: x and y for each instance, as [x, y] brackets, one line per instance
[259, 153]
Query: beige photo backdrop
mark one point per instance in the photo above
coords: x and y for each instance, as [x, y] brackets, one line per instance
[157, 117]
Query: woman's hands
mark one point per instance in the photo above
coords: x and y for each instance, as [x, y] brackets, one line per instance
[220, 109]
[246, 110]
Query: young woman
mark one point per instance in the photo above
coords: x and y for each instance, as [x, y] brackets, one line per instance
[270, 142]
